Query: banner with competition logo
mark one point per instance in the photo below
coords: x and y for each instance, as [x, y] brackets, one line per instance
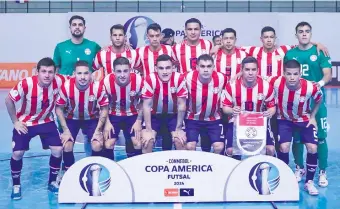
[250, 132]
[178, 176]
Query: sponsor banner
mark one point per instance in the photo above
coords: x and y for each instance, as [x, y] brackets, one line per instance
[12, 73]
[250, 131]
[178, 176]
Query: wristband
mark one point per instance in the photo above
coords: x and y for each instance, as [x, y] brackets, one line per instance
[321, 83]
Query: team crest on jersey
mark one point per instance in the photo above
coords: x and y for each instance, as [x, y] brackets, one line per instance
[14, 93]
[173, 90]
[260, 96]
[216, 90]
[87, 51]
[313, 58]
[132, 93]
[278, 57]
[302, 99]
[92, 98]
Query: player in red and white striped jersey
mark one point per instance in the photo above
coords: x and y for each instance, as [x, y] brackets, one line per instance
[78, 108]
[249, 93]
[124, 90]
[105, 57]
[35, 99]
[149, 54]
[228, 58]
[164, 103]
[192, 47]
[293, 95]
[205, 87]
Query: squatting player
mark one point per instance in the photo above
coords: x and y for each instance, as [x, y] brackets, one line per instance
[124, 89]
[249, 93]
[293, 95]
[205, 87]
[78, 108]
[164, 102]
[315, 67]
[35, 99]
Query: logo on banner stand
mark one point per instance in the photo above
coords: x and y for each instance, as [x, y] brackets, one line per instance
[135, 29]
[177, 176]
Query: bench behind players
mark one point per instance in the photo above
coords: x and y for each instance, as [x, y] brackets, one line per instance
[35, 98]
[293, 95]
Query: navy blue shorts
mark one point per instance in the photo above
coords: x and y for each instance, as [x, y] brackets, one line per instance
[213, 129]
[124, 123]
[230, 133]
[48, 133]
[286, 129]
[169, 120]
[88, 127]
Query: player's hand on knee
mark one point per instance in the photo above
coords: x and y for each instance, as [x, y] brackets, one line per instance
[107, 131]
[66, 137]
[180, 135]
[312, 121]
[137, 128]
[236, 111]
[147, 136]
[20, 127]
[97, 136]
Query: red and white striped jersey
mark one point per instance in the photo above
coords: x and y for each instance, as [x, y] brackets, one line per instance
[295, 105]
[253, 99]
[187, 55]
[204, 99]
[123, 99]
[270, 64]
[105, 58]
[164, 94]
[82, 105]
[229, 64]
[36, 103]
[148, 58]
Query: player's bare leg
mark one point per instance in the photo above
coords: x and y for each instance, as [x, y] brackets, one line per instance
[148, 139]
[137, 144]
[218, 147]
[191, 145]
[311, 164]
[16, 166]
[179, 144]
[55, 162]
[68, 157]
[108, 151]
[97, 146]
[270, 150]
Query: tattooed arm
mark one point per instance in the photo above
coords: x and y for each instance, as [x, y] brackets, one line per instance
[104, 111]
[66, 135]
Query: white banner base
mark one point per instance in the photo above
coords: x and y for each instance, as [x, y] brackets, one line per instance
[178, 176]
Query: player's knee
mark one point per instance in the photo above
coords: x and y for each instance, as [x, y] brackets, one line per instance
[137, 144]
[96, 146]
[17, 155]
[68, 147]
[218, 147]
[178, 144]
[110, 143]
[229, 151]
[191, 146]
[56, 151]
[270, 150]
[312, 148]
[284, 147]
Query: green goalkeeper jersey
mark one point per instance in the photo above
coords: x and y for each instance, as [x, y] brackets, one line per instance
[66, 54]
[311, 63]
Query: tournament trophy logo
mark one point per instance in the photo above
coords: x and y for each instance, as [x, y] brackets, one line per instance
[264, 178]
[95, 179]
[135, 29]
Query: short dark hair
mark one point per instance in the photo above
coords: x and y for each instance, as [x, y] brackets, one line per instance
[81, 63]
[215, 37]
[302, 24]
[205, 57]
[117, 27]
[121, 61]
[47, 62]
[291, 64]
[154, 26]
[163, 57]
[228, 30]
[76, 17]
[193, 20]
[249, 59]
[267, 29]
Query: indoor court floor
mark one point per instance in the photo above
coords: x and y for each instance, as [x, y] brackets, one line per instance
[35, 173]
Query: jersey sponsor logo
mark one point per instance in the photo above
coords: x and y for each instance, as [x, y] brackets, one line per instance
[68, 51]
[87, 51]
[313, 58]
[330, 62]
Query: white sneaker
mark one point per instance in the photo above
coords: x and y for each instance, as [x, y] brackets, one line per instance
[310, 188]
[299, 172]
[323, 182]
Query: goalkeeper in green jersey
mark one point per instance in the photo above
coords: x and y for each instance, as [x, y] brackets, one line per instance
[315, 66]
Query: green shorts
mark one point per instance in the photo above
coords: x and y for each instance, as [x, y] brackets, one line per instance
[321, 119]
